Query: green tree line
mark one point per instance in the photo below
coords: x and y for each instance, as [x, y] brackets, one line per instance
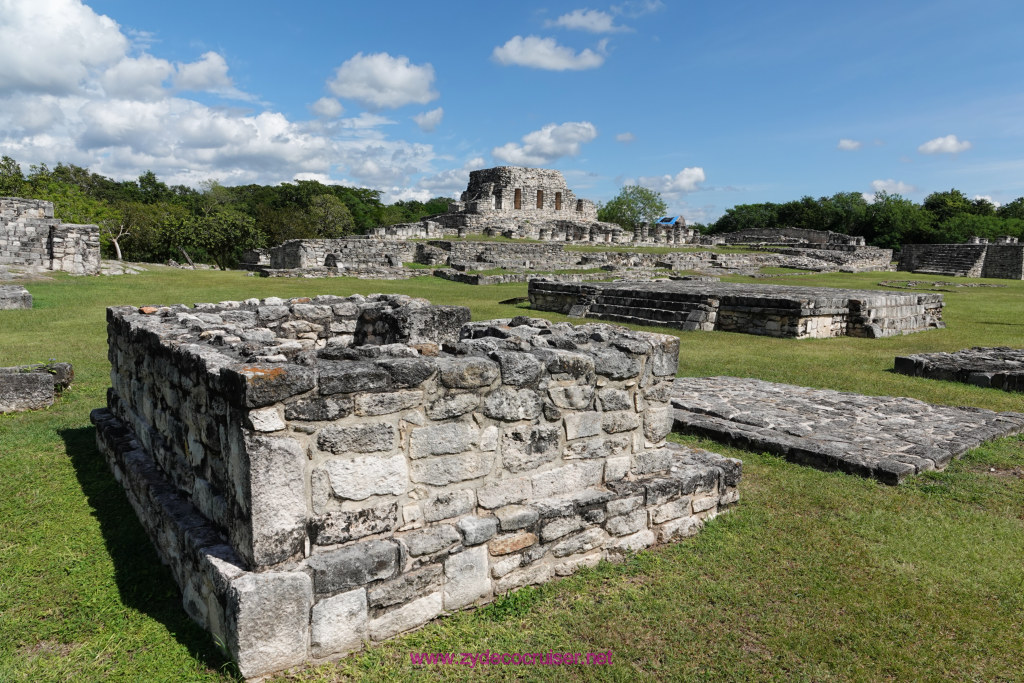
[889, 221]
[148, 220]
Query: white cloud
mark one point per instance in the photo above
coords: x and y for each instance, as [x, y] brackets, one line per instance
[209, 73]
[429, 120]
[140, 78]
[849, 145]
[366, 120]
[547, 144]
[944, 145]
[327, 107]
[671, 186]
[382, 81]
[637, 8]
[625, 137]
[891, 186]
[545, 53]
[52, 45]
[592, 20]
[987, 198]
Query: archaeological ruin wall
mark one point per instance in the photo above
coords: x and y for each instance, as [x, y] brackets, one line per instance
[769, 310]
[321, 473]
[30, 237]
[790, 236]
[354, 256]
[1003, 260]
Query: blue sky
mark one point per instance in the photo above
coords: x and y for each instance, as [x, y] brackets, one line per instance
[712, 104]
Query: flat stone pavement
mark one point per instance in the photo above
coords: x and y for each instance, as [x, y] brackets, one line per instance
[884, 437]
[998, 367]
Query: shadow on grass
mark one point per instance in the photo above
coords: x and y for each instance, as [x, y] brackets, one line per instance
[144, 583]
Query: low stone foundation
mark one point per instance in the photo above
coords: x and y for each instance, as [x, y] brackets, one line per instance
[13, 297]
[321, 473]
[771, 310]
[32, 387]
[998, 367]
[883, 437]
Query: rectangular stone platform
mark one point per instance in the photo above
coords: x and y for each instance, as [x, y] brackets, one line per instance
[771, 310]
[883, 437]
[321, 473]
[997, 367]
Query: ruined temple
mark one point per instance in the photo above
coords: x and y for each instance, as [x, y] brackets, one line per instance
[976, 258]
[30, 237]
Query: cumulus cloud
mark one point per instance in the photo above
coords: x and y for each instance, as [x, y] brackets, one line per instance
[987, 198]
[74, 88]
[547, 144]
[849, 145]
[673, 186]
[592, 20]
[327, 107]
[51, 45]
[382, 81]
[625, 137]
[891, 186]
[545, 53]
[429, 120]
[944, 145]
[637, 8]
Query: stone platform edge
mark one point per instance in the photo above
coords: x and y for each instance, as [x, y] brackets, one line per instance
[269, 622]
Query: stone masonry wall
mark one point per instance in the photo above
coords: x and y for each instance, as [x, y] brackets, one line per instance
[356, 466]
[1005, 261]
[341, 253]
[31, 237]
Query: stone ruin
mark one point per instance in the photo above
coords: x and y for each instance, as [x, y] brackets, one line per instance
[770, 310]
[33, 387]
[320, 473]
[30, 237]
[13, 297]
[976, 258]
[791, 236]
[998, 367]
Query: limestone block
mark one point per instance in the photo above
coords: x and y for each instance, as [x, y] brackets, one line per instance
[405, 618]
[466, 579]
[477, 530]
[575, 397]
[581, 542]
[379, 437]
[510, 405]
[405, 587]
[385, 404]
[510, 543]
[567, 479]
[319, 409]
[339, 623]
[582, 425]
[671, 510]
[682, 527]
[354, 565]
[277, 497]
[614, 399]
[364, 476]
[526, 447]
[624, 505]
[518, 369]
[652, 460]
[504, 564]
[264, 385]
[620, 421]
[515, 517]
[449, 469]
[451, 406]
[449, 504]
[430, 540]
[266, 420]
[467, 372]
[14, 297]
[629, 523]
[342, 526]
[614, 364]
[557, 528]
[25, 391]
[574, 564]
[535, 573]
[658, 423]
[268, 621]
[346, 377]
[442, 439]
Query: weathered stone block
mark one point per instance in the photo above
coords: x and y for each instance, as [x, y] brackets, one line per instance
[443, 439]
[449, 469]
[278, 497]
[430, 540]
[466, 579]
[339, 623]
[407, 617]
[477, 530]
[364, 438]
[527, 447]
[364, 476]
[449, 504]
[404, 588]
[354, 565]
[511, 405]
[514, 517]
[268, 621]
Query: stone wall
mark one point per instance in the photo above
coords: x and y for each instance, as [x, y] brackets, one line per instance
[32, 387]
[789, 236]
[31, 237]
[979, 259]
[770, 310]
[323, 472]
[343, 254]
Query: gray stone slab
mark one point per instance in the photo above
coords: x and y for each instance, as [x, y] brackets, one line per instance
[884, 437]
[997, 367]
[13, 297]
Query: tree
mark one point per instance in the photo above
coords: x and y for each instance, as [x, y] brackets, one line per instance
[329, 217]
[898, 221]
[11, 178]
[945, 205]
[222, 234]
[632, 206]
[1014, 209]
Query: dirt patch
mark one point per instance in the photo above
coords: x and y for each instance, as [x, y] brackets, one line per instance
[48, 648]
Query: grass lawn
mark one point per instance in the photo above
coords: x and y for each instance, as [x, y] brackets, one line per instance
[813, 576]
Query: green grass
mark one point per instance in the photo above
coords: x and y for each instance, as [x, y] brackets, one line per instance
[814, 576]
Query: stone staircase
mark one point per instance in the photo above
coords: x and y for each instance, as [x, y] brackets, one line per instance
[957, 260]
